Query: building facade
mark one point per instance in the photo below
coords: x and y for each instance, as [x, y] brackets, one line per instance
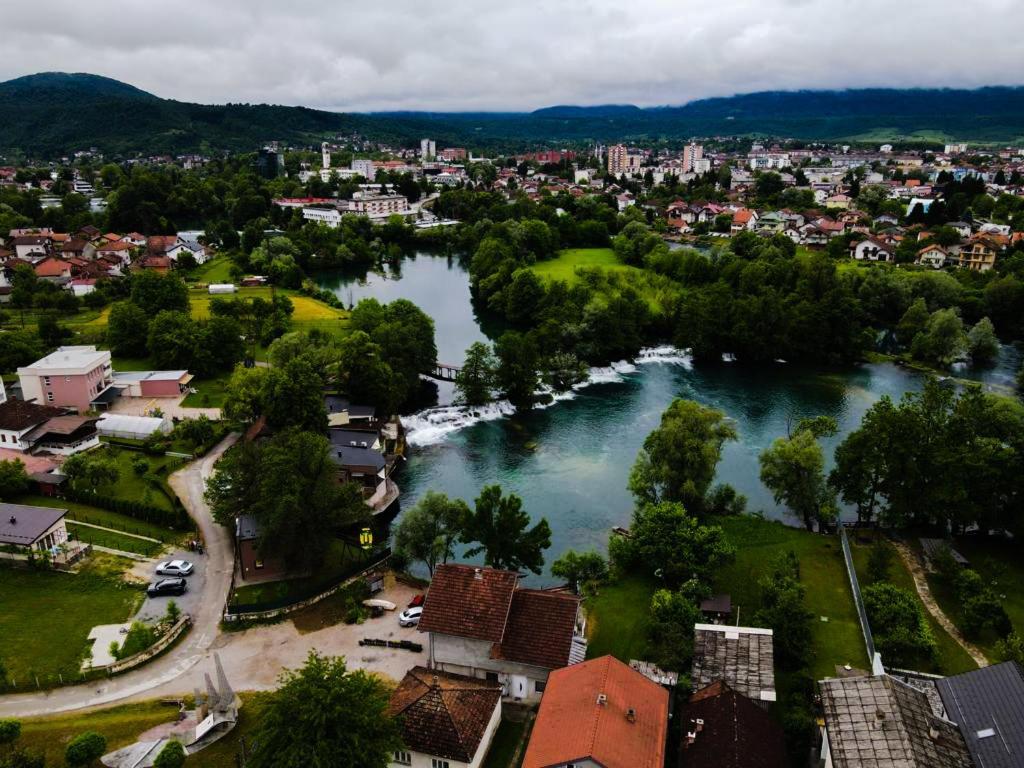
[71, 377]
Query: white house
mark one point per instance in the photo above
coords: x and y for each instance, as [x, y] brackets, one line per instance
[447, 721]
[872, 250]
[934, 256]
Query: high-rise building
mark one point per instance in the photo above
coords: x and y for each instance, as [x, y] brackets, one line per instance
[428, 149]
[364, 168]
[692, 152]
[326, 153]
[617, 159]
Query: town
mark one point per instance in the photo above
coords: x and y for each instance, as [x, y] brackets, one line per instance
[509, 440]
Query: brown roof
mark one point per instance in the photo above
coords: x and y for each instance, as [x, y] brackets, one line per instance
[16, 415]
[442, 714]
[469, 602]
[574, 724]
[66, 425]
[540, 628]
[741, 656]
[160, 243]
[736, 733]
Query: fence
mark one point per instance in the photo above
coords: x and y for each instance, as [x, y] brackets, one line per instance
[858, 599]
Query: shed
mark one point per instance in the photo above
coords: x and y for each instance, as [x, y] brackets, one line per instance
[132, 427]
[717, 607]
[222, 288]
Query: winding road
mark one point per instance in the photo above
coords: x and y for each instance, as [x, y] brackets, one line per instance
[189, 483]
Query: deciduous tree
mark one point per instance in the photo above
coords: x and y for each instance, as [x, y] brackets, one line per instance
[501, 529]
[428, 532]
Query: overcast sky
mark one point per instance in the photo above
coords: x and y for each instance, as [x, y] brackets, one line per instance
[513, 54]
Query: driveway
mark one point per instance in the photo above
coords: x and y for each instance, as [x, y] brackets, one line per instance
[189, 484]
[169, 406]
[155, 607]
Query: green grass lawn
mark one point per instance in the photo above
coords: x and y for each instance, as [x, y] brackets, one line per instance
[308, 313]
[136, 487]
[654, 288]
[758, 542]
[97, 516]
[506, 740]
[950, 657]
[47, 615]
[112, 540]
[216, 270]
[210, 393]
[618, 618]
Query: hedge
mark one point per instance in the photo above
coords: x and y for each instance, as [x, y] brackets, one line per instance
[176, 519]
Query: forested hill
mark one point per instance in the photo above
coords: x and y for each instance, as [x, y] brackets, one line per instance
[54, 113]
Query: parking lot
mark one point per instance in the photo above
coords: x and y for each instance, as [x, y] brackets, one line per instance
[155, 607]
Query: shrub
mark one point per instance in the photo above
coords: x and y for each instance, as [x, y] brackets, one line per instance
[879, 562]
[10, 730]
[171, 756]
[901, 632]
[85, 748]
[980, 606]
[139, 638]
[140, 466]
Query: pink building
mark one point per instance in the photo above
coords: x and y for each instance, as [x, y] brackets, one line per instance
[71, 377]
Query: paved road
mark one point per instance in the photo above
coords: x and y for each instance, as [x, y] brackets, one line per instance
[189, 484]
[191, 601]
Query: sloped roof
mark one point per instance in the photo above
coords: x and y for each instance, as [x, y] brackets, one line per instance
[442, 714]
[880, 721]
[22, 525]
[573, 725]
[736, 733]
[540, 628]
[467, 601]
[741, 656]
[16, 415]
[988, 706]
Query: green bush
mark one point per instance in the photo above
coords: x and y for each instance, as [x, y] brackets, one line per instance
[139, 638]
[10, 730]
[171, 756]
[85, 748]
[898, 624]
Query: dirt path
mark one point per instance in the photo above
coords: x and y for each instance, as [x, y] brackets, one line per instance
[913, 564]
[189, 484]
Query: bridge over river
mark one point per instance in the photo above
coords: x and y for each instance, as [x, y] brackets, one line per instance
[444, 371]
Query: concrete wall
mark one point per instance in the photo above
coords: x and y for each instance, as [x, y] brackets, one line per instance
[465, 656]
[160, 388]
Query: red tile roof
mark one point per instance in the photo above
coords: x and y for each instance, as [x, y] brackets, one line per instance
[469, 602]
[573, 725]
[442, 714]
[736, 732]
[540, 629]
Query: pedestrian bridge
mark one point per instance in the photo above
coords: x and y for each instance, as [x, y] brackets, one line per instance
[444, 372]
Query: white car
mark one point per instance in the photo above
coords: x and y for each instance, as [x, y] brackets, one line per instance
[410, 617]
[175, 568]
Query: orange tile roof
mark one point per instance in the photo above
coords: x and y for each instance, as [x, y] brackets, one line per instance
[573, 725]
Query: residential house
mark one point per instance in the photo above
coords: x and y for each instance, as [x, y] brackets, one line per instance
[447, 721]
[721, 728]
[743, 657]
[987, 705]
[73, 377]
[980, 254]
[53, 268]
[963, 228]
[254, 565]
[118, 250]
[481, 625]
[18, 418]
[717, 609]
[31, 247]
[157, 262]
[871, 249]
[882, 721]
[79, 249]
[770, 224]
[27, 426]
[27, 528]
[599, 713]
[743, 219]
[885, 220]
[934, 256]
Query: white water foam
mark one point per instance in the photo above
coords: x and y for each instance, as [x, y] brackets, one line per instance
[433, 425]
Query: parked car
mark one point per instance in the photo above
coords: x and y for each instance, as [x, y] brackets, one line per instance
[175, 568]
[410, 617]
[169, 587]
[417, 601]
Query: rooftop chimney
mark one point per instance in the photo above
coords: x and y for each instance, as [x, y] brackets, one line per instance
[602, 699]
[478, 574]
[631, 715]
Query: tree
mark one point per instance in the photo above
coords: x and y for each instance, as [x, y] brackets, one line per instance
[580, 570]
[196, 432]
[10, 731]
[879, 561]
[678, 459]
[293, 396]
[243, 396]
[90, 471]
[324, 715]
[673, 615]
[85, 748]
[127, 329]
[499, 525]
[943, 340]
[793, 470]
[219, 346]
[172, 340]
[475, 380]
[154, 293]
[982, 342]
[782, 610]
[900, 631]
[428, 532]
[518, 363]
[364, 376]
[913, 322]
[405, 336]
[13, 479]
[171, 756]
[290, 485]
[862, 460]
[666, 541]
[51, 333]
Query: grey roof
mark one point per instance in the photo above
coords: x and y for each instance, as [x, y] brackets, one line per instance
[876, 722]
[348, 456]
[353, 437]
[338, 404]
[247, 528]
[22, 525]
[988, 705]
[743, 657]
[717, 604]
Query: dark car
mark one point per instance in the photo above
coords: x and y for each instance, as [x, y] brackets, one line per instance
[167, 587]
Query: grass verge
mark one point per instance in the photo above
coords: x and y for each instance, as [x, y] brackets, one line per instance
[618, 618]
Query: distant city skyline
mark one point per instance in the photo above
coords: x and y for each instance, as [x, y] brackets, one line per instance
[465, 55]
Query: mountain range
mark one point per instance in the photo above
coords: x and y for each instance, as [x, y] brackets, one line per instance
[53, 113]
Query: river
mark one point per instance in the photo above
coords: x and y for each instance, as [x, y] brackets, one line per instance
[570, 461]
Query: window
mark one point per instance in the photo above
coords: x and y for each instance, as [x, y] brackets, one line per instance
[258, 564]
[435, 763]
[539, 686]
[49, 397]
[492, 677]
[403, 757]
[46, 380]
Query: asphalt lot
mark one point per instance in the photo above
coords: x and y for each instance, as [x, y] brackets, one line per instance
[155, 607]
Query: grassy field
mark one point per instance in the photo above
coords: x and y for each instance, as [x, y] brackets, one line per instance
[618, 618]
[135, 487]
[47, 615]
[309, 313]
[210, 393]
[758, 542]
[216, 270]
[97, 516]
[506, 741]
[950, 657]
[654, 288]
[112, 540]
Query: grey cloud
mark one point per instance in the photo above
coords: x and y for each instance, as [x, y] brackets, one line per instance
[479, 54]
